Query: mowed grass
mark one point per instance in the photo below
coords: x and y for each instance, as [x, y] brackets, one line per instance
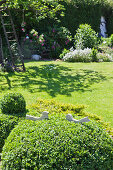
[76, 83]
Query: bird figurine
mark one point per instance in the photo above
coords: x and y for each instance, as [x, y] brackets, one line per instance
[69, 117]
[44, 116]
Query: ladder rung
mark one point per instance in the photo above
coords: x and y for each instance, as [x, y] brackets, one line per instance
[18, 65]
[5, 15]
[10, 32]
[6, 24]
[12, 40]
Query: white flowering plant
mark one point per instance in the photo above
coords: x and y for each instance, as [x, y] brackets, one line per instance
[79, 55]
[104, 57]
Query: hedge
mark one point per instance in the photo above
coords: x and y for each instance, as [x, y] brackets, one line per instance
[7, 123]
[57, 144]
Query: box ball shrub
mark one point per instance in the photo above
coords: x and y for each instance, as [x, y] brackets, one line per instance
[13, 103]
[85, 37]
[57, 144]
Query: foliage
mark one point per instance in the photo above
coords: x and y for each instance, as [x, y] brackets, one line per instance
[53, 106]
[79, 55]
[111, 40]
[43, 9]
[87, 11]
[105, 42]
[104, 57]
[7, 123]
[85, 37]
[52, 41]
[57, 144]
[64, 52]
[94, 55]
[7, 66]
[58, 38]
[13, 103]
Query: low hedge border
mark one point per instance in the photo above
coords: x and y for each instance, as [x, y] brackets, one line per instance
[57, 144]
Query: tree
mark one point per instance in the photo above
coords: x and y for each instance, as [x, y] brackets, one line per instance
[43, 8]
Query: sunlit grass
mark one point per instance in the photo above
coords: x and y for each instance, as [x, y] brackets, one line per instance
[76, 83]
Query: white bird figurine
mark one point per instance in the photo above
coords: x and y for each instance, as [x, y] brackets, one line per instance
[69, 117]
[44, 116]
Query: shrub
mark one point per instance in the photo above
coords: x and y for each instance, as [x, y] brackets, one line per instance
[111, 40]
[79, 55]
[64, 52]
[7, 123]
[85, 37]
[94, 55]
[13, 103]
[104, 57]
[53, 41]
[53, 106]
[57, 144]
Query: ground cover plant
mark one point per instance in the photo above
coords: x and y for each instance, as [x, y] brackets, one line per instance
[57, 144]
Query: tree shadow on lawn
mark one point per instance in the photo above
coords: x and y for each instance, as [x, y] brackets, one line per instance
[55, 79]
[5, 85]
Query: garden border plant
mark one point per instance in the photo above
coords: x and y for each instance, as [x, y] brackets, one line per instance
[57, 144]
[13, 103]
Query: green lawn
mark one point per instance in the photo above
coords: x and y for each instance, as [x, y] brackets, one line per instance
[76, 83]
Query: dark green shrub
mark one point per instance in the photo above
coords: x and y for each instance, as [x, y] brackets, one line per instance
[7, 123]
[51, 42]
[94, 55]
[85, 37]
[57, 144]
[13, 103]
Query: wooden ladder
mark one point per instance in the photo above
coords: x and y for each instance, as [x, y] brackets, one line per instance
[11, 37]
[1, 52]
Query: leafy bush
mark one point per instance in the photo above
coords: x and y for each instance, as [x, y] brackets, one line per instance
[104, 57]
[85, 37]
[111, 40]
[53, 41]
[53, 106]
[13, 103]
[79, 55]
[7, 123]
[64, 52]
[94, 55]
[105, 42]
[57, 144]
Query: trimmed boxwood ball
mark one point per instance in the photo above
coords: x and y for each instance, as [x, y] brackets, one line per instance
[13, 103]
[57, 144]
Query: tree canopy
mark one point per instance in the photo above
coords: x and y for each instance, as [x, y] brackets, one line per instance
[43, 8]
